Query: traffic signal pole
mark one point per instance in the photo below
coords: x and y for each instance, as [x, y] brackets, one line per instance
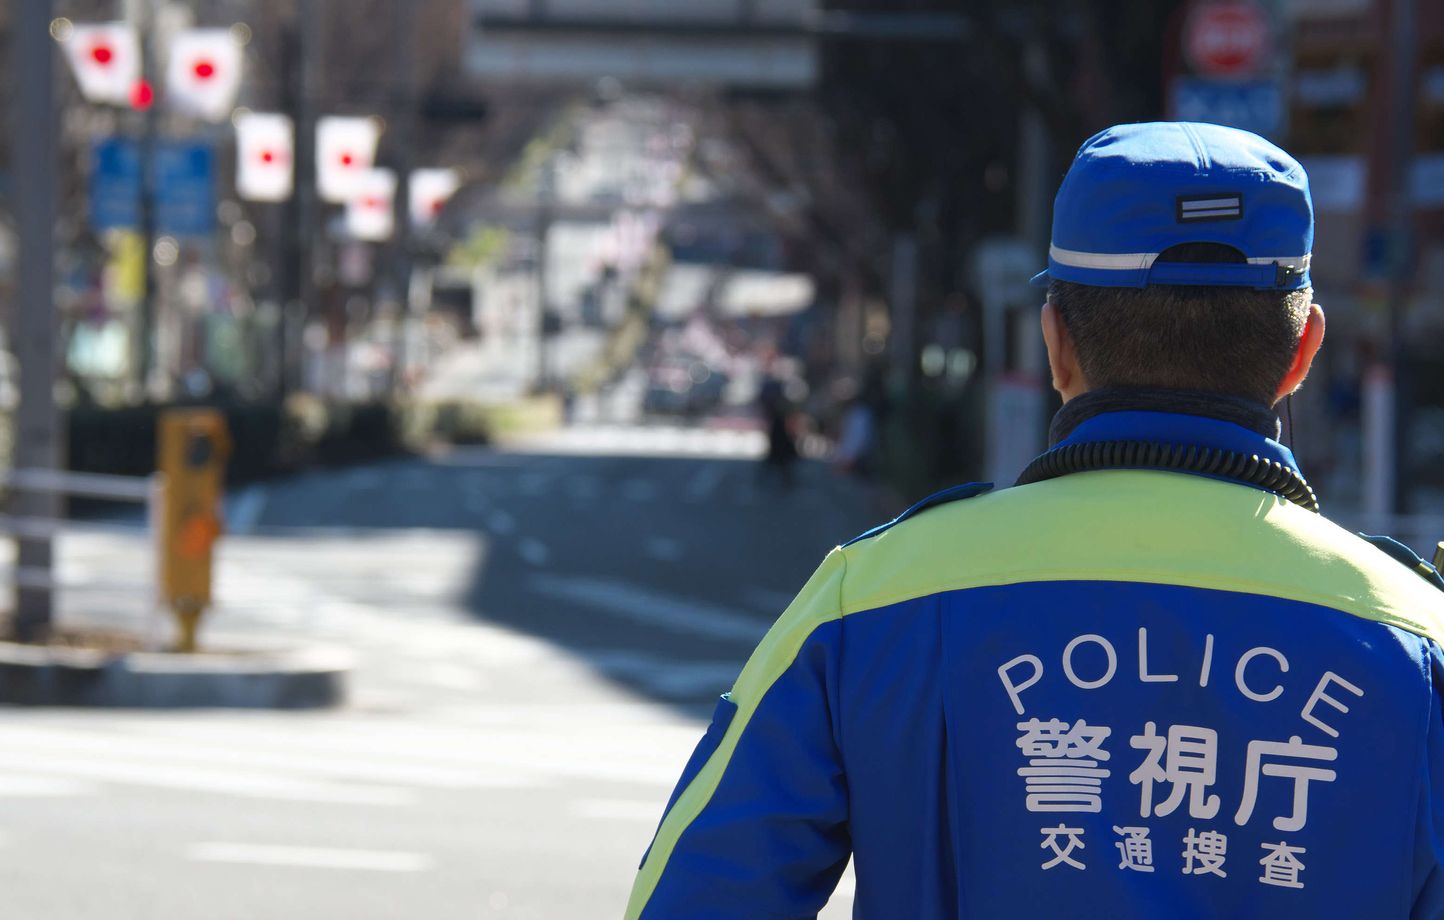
[37, 428]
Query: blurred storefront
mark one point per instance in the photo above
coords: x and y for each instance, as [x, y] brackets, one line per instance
[1344, 86]
[1323, 78]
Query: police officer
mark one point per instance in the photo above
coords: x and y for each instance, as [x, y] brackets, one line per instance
[1150, 680]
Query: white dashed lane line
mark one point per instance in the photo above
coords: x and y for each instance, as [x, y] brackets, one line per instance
[651, 607]
[309, 857]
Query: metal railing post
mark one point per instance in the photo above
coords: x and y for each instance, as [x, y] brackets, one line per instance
[154, 515]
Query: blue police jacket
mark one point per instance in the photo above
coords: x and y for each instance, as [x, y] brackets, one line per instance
[1120, 693]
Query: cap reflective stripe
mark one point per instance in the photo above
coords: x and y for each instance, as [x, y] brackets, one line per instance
[1123, 261]
[1299, 262]
[1232, 203]
[1135, 261]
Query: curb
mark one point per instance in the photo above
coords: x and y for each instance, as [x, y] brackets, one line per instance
[309, 678]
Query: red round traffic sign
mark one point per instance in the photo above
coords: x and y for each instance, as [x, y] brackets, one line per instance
[1227, 38]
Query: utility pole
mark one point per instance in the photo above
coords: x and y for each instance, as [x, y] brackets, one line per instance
[403, 117]
[1401, 223]
[38, 436]
[299, 292]
[141, 15]
[545, 215]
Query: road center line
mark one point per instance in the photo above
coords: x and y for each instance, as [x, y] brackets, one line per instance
[309, 857]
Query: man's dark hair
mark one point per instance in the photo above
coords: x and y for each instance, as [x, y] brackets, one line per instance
[1232, 340]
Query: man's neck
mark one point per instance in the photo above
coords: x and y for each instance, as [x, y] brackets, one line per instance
[1247, 413]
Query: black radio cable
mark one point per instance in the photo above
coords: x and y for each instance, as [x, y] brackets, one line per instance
[1249, 469]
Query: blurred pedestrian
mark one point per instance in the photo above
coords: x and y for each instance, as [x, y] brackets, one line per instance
[855, 453]
[778, 465]
[1150, 680]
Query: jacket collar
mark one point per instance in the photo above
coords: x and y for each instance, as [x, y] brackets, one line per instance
[1173, 416]
[1253, 416]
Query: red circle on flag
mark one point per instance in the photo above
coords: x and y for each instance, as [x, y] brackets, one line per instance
[102, 55]
[204, 70]
[1227, 38]
[347, 159]
[141, 95]
[374, 204]
[267, 156]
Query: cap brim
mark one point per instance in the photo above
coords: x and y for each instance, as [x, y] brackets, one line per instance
[1041, 279]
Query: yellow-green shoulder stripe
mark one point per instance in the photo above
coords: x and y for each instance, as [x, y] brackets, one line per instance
[1141, 526]
[818, 602]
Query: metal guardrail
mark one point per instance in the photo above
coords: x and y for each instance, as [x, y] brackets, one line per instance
[146, 491]
[81, 485]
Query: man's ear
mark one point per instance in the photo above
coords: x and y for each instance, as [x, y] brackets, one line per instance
[1308, 347]
[1062, 356]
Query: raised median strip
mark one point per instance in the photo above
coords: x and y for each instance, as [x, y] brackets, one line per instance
[262, 678]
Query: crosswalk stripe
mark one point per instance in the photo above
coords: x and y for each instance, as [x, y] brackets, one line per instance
[188, 752]
[645, 812]
[215, 779]
[310, 857]
[651, 607]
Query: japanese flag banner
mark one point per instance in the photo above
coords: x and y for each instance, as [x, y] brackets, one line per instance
[265, 156]
[106, 60]
[430, 190]
[370, 214]
[204, 74]
[345, 150]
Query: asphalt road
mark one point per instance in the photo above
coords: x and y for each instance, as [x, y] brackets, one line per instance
[538, 636]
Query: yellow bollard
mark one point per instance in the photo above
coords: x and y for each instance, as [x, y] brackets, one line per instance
[193, 448]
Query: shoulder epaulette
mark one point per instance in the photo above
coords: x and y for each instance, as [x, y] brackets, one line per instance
[954, 494]
[1407, 557]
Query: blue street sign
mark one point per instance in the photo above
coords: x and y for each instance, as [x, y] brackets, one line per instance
[1253, 105]
[184, 188]
[115, 185]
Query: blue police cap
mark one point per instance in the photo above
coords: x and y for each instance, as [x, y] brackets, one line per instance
[1135, 190]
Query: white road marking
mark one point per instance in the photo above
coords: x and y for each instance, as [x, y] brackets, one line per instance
[668, 678]
[451, 677]
[310, 857]
[190, 753]
[246, 510]
[219, 780]
[525, 749]
[646, 812]
[652, 608]
[20, 786]
[650, 441]
[664, 549]
[534, 551]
